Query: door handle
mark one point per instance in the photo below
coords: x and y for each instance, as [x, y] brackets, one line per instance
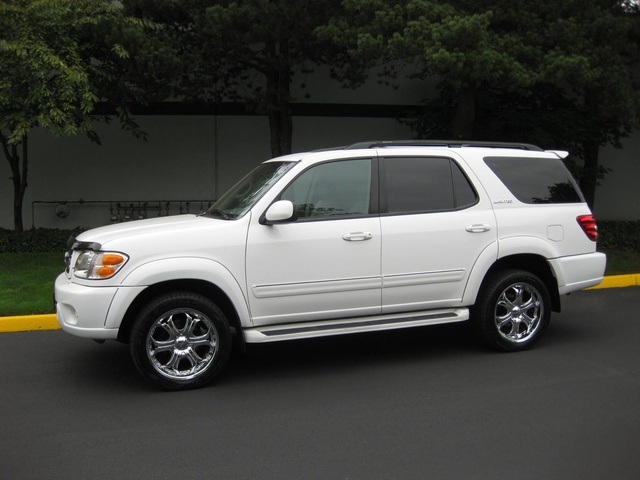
[478, 228]
[357, 236]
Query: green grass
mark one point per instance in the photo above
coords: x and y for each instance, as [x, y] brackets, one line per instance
[26, 282]
[26, 279]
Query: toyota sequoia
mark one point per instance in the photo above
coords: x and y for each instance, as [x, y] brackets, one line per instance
[374, 236]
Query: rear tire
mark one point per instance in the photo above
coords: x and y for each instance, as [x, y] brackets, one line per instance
[180, 340]
[513, 310]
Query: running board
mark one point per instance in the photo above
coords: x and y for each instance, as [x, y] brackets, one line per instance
[294, 331]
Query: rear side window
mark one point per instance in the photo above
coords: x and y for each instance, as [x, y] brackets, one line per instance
[425, 184]
[536, 180]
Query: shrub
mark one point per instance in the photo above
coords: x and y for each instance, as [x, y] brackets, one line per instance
[35, 240]
[620, 235]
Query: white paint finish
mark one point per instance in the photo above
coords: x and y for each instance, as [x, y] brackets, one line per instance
[578, 272]
[555, 233]
[308, 271]
[354, 325]
[335, 269]
[427, 257]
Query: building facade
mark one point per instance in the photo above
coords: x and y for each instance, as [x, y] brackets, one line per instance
[188, 161]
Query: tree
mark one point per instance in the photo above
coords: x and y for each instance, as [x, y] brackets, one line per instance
[247, 52]
[256, 46]
[50, 77]
[537, 70]
[595, 63]
[464, 43]
[587, 95]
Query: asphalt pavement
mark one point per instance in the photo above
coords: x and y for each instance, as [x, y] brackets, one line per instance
[416, 404]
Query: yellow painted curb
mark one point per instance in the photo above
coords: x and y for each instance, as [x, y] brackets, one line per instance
[617, 281]
[29, 322]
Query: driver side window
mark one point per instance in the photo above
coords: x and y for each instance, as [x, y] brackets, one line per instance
[333, 189]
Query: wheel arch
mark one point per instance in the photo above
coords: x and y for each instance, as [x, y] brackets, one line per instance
[532, 263]
[202, 287]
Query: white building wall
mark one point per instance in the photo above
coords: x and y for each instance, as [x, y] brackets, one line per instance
[617, 198]
[178, 161]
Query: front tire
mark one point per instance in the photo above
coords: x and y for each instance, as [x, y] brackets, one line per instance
[513, 310]
[180, 340]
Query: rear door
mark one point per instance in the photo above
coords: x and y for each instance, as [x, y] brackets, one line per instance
[435, 223]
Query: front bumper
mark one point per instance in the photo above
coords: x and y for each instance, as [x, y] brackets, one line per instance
[83, 310]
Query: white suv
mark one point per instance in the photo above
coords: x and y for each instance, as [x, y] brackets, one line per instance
[375, 236]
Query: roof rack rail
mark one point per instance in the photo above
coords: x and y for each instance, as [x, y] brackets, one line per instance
[442, 143]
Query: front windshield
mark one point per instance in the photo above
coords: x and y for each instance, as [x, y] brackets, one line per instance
[244, 194]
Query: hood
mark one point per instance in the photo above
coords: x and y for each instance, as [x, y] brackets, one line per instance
[170, 238]
[151, 226]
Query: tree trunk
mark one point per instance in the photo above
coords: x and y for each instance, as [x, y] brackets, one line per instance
[591, 147]
[589, 176]
[18, 177]
[278, 98]
[281, 129]
[464, 117]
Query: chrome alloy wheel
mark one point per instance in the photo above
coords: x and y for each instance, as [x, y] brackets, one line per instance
[519, 311]
[182, 344]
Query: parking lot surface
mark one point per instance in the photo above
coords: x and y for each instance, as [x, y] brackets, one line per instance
[423, 403]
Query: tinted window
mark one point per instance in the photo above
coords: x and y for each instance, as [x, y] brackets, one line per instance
[421, 184]
[332, 189]
[464, 194]
[536, 180]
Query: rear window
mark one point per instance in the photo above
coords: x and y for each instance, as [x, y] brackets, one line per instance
[536, 180]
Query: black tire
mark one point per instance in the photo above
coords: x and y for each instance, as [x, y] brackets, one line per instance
[513, 310]
[180, 340]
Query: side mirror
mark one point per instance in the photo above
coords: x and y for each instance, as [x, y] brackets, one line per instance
[282, 211]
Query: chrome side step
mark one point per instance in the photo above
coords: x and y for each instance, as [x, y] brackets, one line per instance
[292, 331]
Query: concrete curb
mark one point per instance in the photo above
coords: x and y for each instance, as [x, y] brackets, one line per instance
[49, 321]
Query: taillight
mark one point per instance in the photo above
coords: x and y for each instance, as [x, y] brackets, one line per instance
[589, 226]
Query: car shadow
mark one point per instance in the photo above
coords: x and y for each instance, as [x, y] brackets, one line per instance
[320, 356]
[109, 366]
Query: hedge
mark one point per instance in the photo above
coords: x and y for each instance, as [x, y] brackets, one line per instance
[35, 240]
[619, 235]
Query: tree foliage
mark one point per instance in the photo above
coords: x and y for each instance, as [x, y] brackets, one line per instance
[52, 77]
[467, 45]
[262, 44]
[246, 52]
[562, 73]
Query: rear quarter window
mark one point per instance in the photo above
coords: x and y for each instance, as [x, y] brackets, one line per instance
[536, 180]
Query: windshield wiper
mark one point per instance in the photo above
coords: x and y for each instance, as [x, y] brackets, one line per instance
[216, 213]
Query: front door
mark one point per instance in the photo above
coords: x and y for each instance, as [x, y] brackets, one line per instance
[327, 263]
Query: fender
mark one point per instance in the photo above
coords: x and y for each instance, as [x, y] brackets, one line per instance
[526, 245]
[505, 247]
[479, 270]
[178, 268]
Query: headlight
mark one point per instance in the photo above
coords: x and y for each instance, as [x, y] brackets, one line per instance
[98, 265]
